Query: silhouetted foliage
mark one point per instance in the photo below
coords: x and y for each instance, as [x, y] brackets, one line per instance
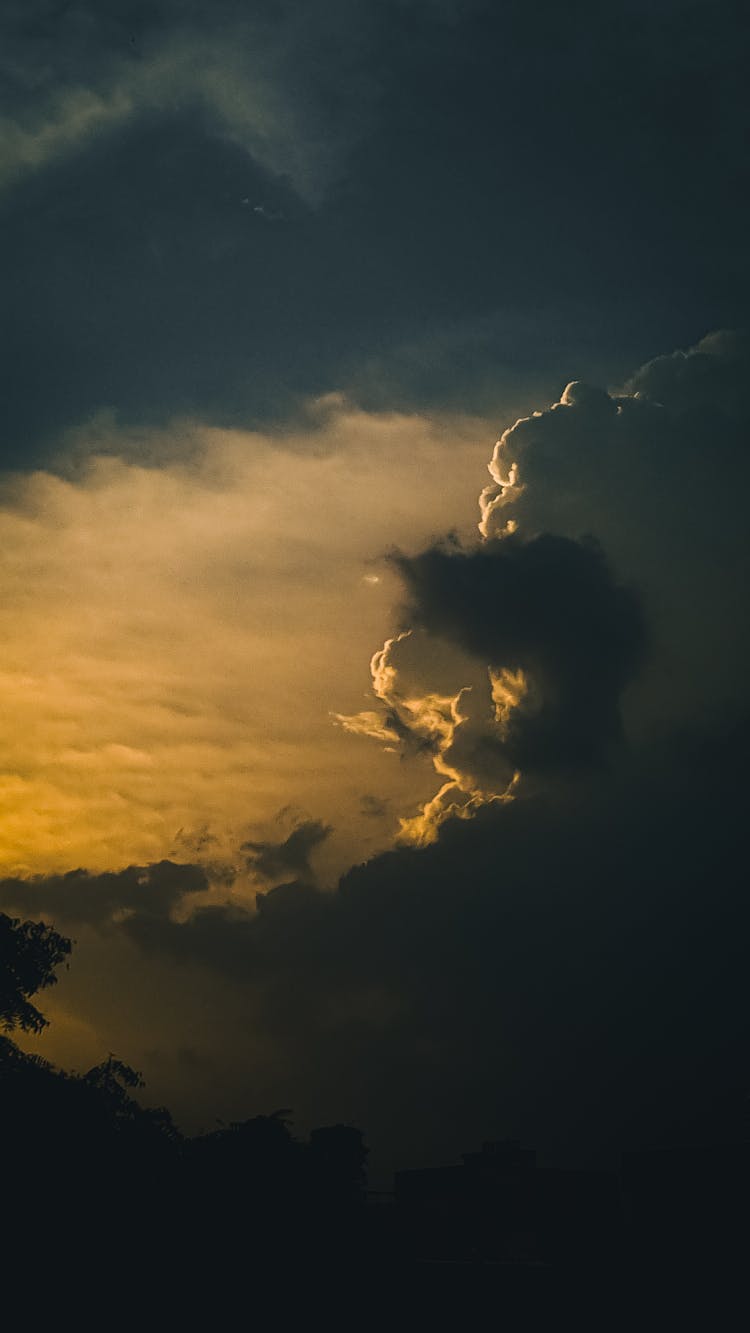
[29, 953]
[68, 1136]
[139, 1187]
[255, 1207]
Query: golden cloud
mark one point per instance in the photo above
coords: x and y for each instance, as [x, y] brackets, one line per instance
[177, 635]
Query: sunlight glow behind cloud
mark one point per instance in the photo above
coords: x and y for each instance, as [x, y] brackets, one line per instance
[172, 632]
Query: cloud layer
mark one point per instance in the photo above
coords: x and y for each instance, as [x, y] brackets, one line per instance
[81, 75]
[567, 967]
[221, 210]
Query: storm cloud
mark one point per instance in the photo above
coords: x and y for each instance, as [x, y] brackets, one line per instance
[409, 151]
[659, 472]
[582, 639]
[550, 608]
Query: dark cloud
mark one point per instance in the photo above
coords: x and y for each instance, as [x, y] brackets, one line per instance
[141, 283]
[154, 892]
[550, 607]
[712, 375]
[669, 449]
[450, 184]
[659, 472]
[101, 899]
[289, 858]
[568, 967]
[559, 629]
[569, 957]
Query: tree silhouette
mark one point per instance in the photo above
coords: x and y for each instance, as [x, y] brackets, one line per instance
[139, 1187]
[90, 1120]
[29, 953]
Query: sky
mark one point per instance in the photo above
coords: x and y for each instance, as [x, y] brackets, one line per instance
[373, 558]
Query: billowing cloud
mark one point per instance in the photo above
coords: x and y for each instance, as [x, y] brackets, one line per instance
[560, 633]
[538, 643]
[436, 702]
[710, 376]
[608, 460]
[658, 472]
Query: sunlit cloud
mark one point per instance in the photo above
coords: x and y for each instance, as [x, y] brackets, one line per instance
[454, 728]
[172, 633]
